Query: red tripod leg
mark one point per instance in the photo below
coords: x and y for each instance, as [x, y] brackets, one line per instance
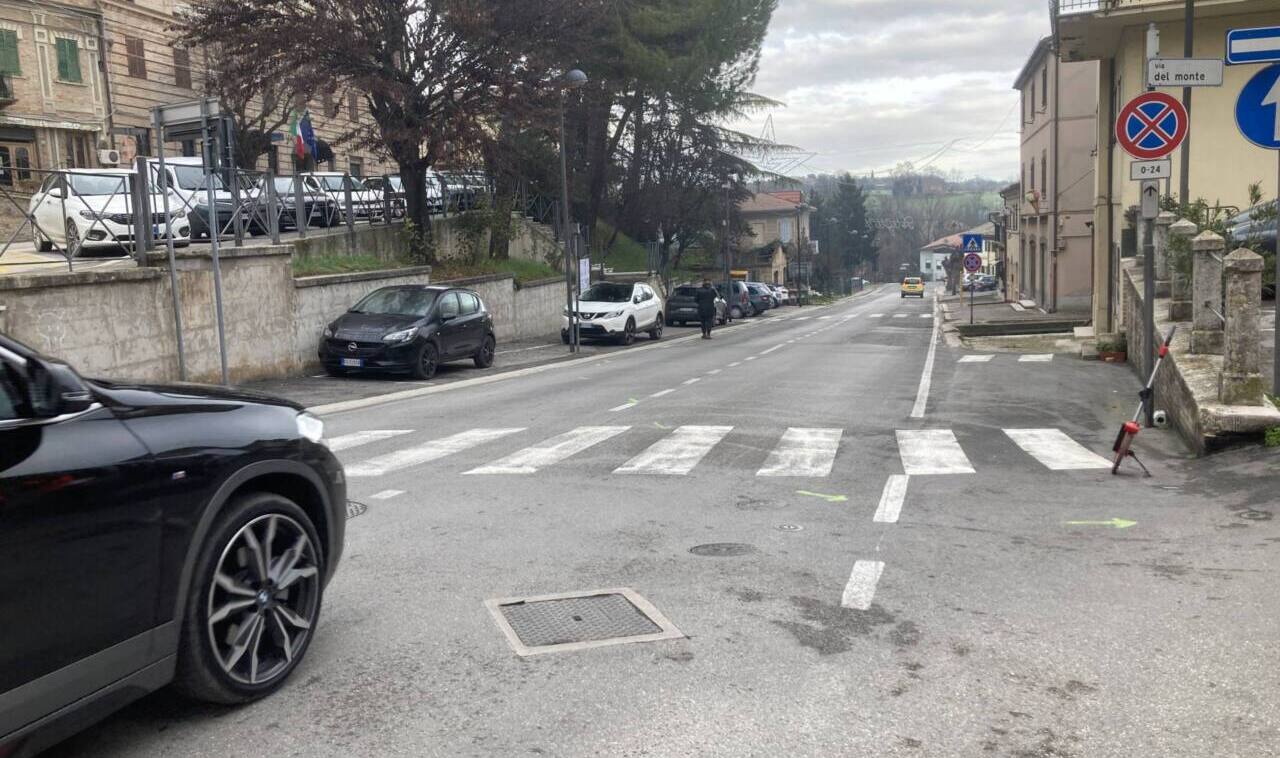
[1127, 433]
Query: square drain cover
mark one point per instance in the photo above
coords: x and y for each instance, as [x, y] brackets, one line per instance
[579, 620]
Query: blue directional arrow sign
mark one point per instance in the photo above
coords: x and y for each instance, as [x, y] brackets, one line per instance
[1258, 109]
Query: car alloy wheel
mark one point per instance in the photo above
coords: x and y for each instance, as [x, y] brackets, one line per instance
[73, 235]
[629, 332]
[484, 358]
[264, 597]
[656, 332]
[427, 363]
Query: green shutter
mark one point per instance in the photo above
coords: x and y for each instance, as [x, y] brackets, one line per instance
[68, 60]
[9, 52]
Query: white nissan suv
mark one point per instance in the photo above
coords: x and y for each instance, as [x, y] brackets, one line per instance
[616, 310]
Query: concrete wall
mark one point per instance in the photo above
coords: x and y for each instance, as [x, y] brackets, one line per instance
[121, 325]
[530, 241]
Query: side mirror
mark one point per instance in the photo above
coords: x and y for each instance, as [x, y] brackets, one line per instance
[636, 299]
[55, 192]
[447, 316]
[56, 390]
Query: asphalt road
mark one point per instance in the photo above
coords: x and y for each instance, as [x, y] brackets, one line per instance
[912, 585]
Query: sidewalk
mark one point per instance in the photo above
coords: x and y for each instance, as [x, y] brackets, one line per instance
[992, 316]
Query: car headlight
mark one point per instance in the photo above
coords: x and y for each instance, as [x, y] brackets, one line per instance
[401, 336]
[93, 215]
[615, 314]
[310, 427]
[328, 331]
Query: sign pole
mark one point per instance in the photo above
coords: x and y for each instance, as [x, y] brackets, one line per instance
[1275, 346]
[1149, 252]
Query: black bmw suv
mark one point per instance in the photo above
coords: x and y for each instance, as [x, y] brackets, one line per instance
[148, 535]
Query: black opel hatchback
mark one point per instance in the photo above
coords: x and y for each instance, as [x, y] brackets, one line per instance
[409, 328]
[148, 535]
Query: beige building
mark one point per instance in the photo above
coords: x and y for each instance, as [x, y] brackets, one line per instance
[1053, 258]
[1011, 231]
[779, 223]
[1222, 162]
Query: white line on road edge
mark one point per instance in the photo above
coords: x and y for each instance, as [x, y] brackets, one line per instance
[895, 492]
[1056, 450]
[425, 453]
[694, 380]
[663, 392]
[348, 441]
[931, 451]
[550, 451]
[861, 589]
[386, 494]
[624, 406]
[926, 376]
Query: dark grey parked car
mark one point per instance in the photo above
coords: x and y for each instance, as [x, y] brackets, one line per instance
[760, 296]
[682, 307]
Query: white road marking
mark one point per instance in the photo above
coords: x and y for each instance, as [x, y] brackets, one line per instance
[663, 392]
[751, 358]
[386, 494]
[735, 364]
[425, 453]
[348, 441]
[861, 589]
[1040, 358]
[803, 452]
[1056, 450]
[926, 375]
[824, 318]
[714, 371]
[550, 451]
[677, 453]
[901, 315]
[926, 315]
[694, 380]
[891, 499]
[975, 358]
[625, 406]
[802, 318]
[770, 350]
[931, 451]
[876, 315]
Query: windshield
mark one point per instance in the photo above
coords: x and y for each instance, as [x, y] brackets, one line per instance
[284, 184]
[607, 292]
[685, 292]
[193, 178]
[105, 184]
[334, 183]
[397, 301]
[911, 280]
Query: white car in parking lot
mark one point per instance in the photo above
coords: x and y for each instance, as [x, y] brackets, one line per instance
[94, 208]
[616, 310]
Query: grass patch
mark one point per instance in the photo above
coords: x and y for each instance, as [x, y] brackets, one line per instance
[524, 271]
[340, 264]
[624, 255]
[1271, 438]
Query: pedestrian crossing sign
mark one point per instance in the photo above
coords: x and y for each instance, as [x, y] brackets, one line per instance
[971, 243]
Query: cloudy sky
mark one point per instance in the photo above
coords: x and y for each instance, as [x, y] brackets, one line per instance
[869, 83]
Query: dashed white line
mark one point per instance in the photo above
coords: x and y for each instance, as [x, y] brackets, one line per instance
[861, 589]
[623, 407]
[770, 350]
[694, 380]
[926, 375]
[876, 315]
[735, 364]
[386, 494]
[714, 371]
[663, 392]
[751, 358]
[891, 499]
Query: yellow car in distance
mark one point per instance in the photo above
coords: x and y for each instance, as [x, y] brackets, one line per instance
[913, 285]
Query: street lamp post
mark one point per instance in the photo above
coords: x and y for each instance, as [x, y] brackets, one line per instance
[724, 249]
[571, 80]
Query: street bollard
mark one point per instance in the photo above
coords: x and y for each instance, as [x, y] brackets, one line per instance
[1241, 382]
[1181, 230]
[273, 207]
[1206, 293]
[1163, 221]
[350, 212]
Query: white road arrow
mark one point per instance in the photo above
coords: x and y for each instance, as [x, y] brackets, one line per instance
[1273, 98]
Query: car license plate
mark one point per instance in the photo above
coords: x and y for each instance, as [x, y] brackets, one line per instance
[155, 231]
[353, 363]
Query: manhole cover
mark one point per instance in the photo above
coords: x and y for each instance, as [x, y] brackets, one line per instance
[790, 527]
[1254, 515]
[722, 549]
[579, 620]
[355, 509]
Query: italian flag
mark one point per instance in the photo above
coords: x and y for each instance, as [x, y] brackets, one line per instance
[295, 128]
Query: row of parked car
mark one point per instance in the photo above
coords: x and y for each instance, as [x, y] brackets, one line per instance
[93, 208]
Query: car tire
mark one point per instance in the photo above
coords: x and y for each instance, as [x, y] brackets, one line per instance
[564, 338]
[628, 333]
[210, 667]
[655, 333]
[42, 245]
[735, 312]
[484, 356]
[72, 235]
[426, 361]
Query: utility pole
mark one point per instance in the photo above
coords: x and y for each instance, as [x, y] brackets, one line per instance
[1188, 45]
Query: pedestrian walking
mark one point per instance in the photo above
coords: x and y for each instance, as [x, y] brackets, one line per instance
[706, 300]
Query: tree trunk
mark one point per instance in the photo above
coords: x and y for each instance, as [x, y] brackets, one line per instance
[598, 108]
[504, 200]
[413, 175]
[628, 218]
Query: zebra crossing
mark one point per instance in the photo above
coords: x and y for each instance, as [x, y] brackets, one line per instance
[803, 452]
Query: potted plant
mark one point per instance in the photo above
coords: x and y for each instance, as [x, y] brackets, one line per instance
[1113, 348]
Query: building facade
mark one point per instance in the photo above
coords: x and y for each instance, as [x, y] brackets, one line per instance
[779, 233]
[1222, 163]
[1054, 255]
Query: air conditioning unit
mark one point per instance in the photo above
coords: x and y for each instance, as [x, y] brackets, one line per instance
[108, 157]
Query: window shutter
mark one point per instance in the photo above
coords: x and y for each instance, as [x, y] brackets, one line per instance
[9, 52]
[63, 68]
